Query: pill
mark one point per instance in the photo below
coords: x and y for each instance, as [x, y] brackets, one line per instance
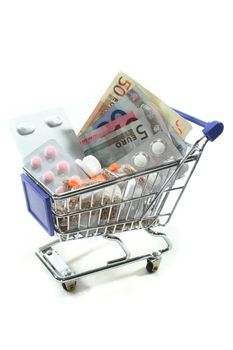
[140, 160]
[158, 147]
[36, 162]
[81, 165]
[54, 121]
[90, 165]
[113, 192]
[25, 128]
[98, 178]
[50, 152]
[130, 188]
[63, 167]
[93, 164]
[182, 170]
[74, 182]
[154, 179]
[48, 176]
[60, 189]
[114, 167]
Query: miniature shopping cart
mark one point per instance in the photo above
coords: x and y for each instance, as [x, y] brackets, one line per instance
[89, 212]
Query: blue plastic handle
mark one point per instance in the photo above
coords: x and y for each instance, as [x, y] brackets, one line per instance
[211, 130]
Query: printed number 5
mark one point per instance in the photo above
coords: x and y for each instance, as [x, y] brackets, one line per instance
[125, 83]
[142, 132]
[119, 89]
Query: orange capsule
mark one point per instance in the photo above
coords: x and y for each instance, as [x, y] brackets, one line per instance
[98, 178]
[114, 167]
[74, 182]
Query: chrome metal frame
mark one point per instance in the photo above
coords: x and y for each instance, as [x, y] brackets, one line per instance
[63, 273]
[78, 214]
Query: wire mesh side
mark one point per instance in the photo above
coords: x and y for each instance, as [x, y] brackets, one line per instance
[126, 203]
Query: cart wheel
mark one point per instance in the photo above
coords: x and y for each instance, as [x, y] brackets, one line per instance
[152, 265]
[69, 286]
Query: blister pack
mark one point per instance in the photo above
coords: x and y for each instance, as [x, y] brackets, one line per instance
[153, 152]
[51, 166]
[33, 130]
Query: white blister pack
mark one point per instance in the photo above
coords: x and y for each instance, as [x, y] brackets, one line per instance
[33, 130]
[155, 151]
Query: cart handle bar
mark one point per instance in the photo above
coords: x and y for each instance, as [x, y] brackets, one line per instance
[211, 130]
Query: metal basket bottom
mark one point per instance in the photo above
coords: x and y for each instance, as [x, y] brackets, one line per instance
[109, 229]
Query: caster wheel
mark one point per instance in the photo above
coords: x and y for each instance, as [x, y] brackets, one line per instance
[152, 265]
[69, 286]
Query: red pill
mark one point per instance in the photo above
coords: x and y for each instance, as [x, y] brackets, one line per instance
[60, 189]
[50, 152]
[48, 176]
[63, 167]
[36, 162]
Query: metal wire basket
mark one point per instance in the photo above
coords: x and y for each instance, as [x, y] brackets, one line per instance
[143, 200]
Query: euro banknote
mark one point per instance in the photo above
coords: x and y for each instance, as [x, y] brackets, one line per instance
[114, 92]
[132, 100]
[107, 128]
[119, 87]
[121, 142]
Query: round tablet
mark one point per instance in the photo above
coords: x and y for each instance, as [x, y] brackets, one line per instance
[158, 147]
[140, 160]
[54, 121]
[74, 181]
[36, 162]
[50, 152]
[93, 164]
[154, 179]
[48, 176]
[81, 165]
[60, 189]
[63, 167]
[25, 128]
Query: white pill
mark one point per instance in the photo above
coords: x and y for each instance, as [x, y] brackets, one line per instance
[113, 191]
[154, 179]
[158, 148]
[140, 160]
[129, 189]
[54, 121]
[182, 170]
[93, 165]
[25, 128]
[81, 164]
[90, 165]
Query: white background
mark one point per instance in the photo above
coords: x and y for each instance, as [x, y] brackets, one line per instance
[64, 54]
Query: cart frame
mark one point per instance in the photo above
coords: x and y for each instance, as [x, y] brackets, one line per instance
[86, 213]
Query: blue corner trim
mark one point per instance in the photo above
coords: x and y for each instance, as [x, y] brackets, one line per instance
[38, 203]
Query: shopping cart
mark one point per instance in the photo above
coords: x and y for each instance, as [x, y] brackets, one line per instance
[148, 200]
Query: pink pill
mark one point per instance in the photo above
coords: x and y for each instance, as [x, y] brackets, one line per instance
[48, 176]
[36, 162]
[50, 152]
[75, 179]
[60, 189]
[62, 167]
